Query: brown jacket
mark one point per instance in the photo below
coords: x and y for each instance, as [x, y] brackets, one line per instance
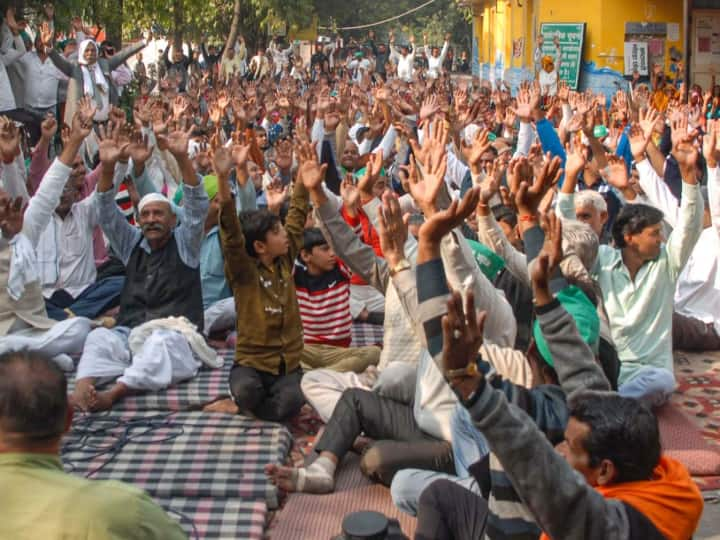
[269, 329]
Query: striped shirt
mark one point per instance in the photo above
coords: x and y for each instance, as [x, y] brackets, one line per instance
[324, 303]
[508, 517]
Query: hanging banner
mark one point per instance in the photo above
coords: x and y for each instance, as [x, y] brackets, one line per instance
[636, 57]
[571, 37]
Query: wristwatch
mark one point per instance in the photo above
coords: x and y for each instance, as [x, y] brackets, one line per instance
[471, 370]
[403, 264]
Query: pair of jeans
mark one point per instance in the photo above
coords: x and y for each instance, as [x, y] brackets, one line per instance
[469, 448]
[92, 302]
[651, 385]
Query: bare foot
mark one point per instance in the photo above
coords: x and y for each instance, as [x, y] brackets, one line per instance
[283, 477]
[103, 401]
[361, 443]
[84, 395]
[224, 406]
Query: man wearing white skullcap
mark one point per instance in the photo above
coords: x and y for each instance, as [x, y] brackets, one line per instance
[162, 262]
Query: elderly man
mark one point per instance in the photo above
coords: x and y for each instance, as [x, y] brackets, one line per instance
[23, 318]
[39, 498]
[163, 280]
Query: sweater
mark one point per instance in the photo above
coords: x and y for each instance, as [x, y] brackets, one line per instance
[544, 406]
[324, 302]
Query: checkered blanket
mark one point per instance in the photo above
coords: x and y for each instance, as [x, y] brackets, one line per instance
[184, 454]
[211, 518]
[207, 386]
[364, 334]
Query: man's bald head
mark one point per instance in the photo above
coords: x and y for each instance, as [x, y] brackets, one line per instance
[33, 399]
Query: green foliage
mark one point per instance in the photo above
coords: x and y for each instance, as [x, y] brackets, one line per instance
[437, 19]
[211, 18]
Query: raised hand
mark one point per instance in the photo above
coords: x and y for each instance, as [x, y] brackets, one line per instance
[425, 192]
[139, 150]
[519, 170]
[49, 127]
[617, 172]
[711, 143]
[117, 116]
[444, 221]
[349, 194]
[180, 107]
[9, 140]
[527, 103]
[639, 141]
[462, 334]
[176, 142]
[490, 185]
[240, 154]
[549, 258]
[430, 106]
[284, 155]
[528, 197]
[473, 152]
[575, 160]
[222, 162]
[366, 182]
[276, 195]
[11, 215]
[683, 150]
[647, 120]
[82, 122]
[46, 35]
[331, 121]
[392, 229]
[310, 173]
[109, 146]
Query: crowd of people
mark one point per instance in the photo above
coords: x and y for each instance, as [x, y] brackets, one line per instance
[533, 258]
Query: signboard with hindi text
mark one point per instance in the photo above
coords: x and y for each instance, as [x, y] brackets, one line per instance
[636, 58]
[572, 37]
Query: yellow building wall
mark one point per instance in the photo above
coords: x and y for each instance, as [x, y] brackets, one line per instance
[611, 48]
[503, 22]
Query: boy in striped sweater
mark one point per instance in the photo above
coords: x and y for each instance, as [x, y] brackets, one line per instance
[322, 283]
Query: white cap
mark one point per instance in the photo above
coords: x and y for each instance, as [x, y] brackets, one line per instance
[151, 198]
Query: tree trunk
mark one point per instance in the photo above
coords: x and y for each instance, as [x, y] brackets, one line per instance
[178, 24]
[113, 30]
[234, 25]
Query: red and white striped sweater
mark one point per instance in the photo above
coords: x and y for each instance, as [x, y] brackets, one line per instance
[324, 303]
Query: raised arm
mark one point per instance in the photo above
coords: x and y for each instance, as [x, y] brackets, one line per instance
[711, 150]
[122, 55]
[359, 257]
[46, 198]
[682, 240]
[64, 65]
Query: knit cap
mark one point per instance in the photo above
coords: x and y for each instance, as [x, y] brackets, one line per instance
[582, 310]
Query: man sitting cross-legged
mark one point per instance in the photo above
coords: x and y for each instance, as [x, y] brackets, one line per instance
[40, 500]
[163, 280]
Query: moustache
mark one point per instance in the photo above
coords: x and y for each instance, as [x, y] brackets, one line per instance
[153, 227]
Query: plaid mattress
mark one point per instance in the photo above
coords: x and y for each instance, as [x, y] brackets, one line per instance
[364, 334]
[184, 454]
[211, 518]
[207, 386]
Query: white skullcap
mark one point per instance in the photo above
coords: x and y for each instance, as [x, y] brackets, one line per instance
[469, 133]
[151, 198]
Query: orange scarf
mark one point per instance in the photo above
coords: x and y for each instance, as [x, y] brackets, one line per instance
[671, 500]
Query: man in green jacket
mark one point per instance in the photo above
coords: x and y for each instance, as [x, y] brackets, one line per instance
[40, 500]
